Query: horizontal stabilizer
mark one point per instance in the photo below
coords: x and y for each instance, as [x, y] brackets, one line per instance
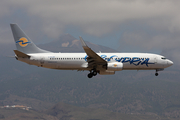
[20, 54]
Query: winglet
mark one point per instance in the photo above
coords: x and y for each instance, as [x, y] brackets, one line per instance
[91, 54]
[82, 41]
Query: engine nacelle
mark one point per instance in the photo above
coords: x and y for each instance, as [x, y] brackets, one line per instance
[114, 66]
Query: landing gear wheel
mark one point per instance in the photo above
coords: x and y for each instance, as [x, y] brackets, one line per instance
[90, 75]
[94, 73]
[156, 74]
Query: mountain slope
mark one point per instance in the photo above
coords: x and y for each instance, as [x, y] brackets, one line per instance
[67, 112]
[62, 111]
[137, 93]
[67, 43]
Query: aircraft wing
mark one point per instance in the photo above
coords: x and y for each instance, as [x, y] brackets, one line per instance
[93, 59]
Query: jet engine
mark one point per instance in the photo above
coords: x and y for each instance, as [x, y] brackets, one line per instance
[114, 66]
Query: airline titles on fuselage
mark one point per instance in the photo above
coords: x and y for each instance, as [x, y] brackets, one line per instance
[132, 60]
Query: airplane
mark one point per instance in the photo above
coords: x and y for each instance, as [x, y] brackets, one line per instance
[96, 63]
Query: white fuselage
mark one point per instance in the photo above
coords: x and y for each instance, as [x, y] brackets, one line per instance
[77, 61]
[101, 63]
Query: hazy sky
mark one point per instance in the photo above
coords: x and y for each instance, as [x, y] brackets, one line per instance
[126, 25]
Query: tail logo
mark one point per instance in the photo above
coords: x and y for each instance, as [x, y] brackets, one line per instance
[23, 42]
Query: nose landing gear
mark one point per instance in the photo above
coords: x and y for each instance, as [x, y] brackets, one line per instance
[156, 74]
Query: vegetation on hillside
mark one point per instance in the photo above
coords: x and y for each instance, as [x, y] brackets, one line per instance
[124, 93]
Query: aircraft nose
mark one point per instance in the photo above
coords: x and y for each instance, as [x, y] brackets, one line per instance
[170, 62]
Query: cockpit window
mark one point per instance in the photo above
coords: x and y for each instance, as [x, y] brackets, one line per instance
[163, 58]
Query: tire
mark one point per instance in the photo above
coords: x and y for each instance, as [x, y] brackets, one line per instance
[90, 75]
[156, 74]
[95, 73]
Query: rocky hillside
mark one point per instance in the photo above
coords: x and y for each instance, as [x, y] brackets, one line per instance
[62, 111]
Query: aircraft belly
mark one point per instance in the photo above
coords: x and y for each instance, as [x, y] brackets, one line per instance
[64, 64]
[128, 66]
[28, 61]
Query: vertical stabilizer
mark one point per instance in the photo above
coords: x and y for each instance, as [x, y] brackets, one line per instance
[23, 42]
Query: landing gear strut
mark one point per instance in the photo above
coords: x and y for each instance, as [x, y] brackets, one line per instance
[156, 74]
[92, 73]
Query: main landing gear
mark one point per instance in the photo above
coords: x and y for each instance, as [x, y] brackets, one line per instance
[92, 73]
